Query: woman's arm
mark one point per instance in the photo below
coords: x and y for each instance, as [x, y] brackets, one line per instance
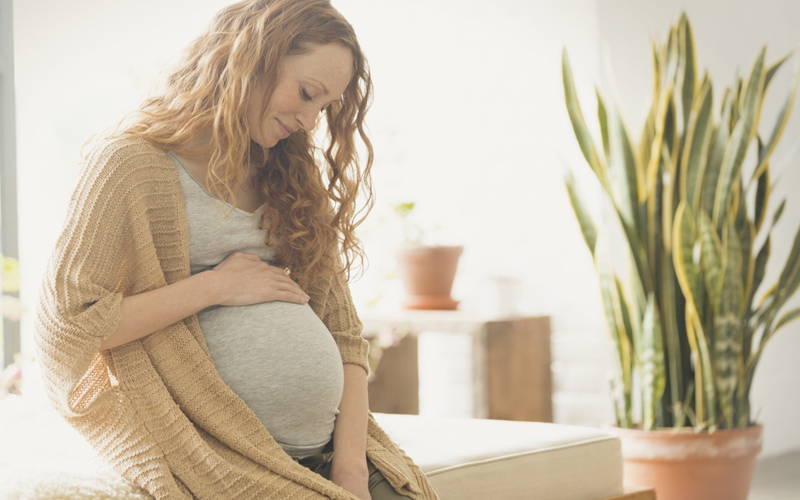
[349, 466]
[148, 312]
[240, 279]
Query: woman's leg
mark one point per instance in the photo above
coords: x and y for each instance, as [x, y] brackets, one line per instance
[379, 487]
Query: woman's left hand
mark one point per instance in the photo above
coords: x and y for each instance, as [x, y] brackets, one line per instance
[354, 477]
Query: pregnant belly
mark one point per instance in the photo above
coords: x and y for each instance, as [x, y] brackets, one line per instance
[283, 362]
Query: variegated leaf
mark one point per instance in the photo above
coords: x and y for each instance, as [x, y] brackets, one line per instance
[684, 243]
[739, 141]
[787, 318]
[579, 124]
[687, 70]
[780, 121]
[622, 357]
[695, 151]
[763, 191]
[728, 327]
[716, 152]
[587, 225]
[651, 354]
[711, 252]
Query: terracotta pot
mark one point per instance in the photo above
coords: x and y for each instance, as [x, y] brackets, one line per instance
[427, 274]
[681, 464]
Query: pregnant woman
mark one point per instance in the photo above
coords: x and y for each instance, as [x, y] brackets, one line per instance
[195, 322]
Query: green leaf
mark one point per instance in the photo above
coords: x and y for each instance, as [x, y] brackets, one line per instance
[695, 153]
[715, 154]
[763, 191]
[759, 268]
[621, 384]
[651, 354]
[711, 252]
[671, 55]
[579, 124]
[622, 165]
[656, 69]
[746, 241]
[739, 141]
[775, 67]
[704, 374]
[671, 139]
[738, 205]
[684, 238]
[602, 117]
[587, 225]
[654, 205]
[738, 102]
[631, 331]
[665, 109]
[790, 276]
[778, 212]
[646, 142]
[788, 317]
[728, 327]
[780, 292]
[688, 69]
[780, 121]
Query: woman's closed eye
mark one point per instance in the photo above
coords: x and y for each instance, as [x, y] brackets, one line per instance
[307, 97]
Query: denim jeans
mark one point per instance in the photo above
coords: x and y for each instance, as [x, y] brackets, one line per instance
[379, 487]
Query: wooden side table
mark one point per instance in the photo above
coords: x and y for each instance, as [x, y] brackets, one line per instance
[503, 365]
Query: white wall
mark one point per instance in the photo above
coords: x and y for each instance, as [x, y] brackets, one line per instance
[468, 120]
[728, 36]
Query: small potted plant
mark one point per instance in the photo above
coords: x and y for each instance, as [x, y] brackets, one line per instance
[427, 271]
[688, 325]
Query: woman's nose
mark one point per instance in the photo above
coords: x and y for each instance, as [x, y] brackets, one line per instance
[308, 117]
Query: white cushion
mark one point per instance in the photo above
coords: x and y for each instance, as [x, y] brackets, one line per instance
[468, 459]
[43, 458]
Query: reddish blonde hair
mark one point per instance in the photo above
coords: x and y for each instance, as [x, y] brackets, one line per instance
[311, 192]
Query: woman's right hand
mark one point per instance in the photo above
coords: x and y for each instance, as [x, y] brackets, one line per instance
[245, 279]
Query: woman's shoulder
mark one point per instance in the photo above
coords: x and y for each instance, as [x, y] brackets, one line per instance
[126, 156]
[123, 149]
[125, 170]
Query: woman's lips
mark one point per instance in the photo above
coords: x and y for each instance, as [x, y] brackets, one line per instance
[284, 129]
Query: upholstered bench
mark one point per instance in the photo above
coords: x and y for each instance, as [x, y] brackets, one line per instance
[472, 459]
[42, 457]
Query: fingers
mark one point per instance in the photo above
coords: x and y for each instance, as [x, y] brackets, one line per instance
[293, 297]
[290, 287]
[280, 277]
[275, 279]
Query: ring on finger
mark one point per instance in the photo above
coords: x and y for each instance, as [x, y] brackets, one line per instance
[287, 271]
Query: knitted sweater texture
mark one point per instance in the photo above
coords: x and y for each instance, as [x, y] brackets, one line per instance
[156, 409]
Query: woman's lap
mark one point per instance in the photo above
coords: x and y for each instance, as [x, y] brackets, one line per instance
[379, 487]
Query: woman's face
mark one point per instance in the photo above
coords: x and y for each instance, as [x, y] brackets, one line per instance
[307, 84]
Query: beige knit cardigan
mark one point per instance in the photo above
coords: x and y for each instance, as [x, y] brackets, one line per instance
[156, 409]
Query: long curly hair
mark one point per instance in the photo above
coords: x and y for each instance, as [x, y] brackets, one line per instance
[311, 211]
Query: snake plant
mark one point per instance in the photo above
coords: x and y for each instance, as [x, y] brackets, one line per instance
[685, 320]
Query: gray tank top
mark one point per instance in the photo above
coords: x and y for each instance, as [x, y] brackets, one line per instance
[277, 356]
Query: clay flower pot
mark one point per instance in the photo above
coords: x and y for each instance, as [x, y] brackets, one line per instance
[681, 464]
[427, 273]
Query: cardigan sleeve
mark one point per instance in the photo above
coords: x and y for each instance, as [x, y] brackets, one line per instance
[341, 318]
[81, 292]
